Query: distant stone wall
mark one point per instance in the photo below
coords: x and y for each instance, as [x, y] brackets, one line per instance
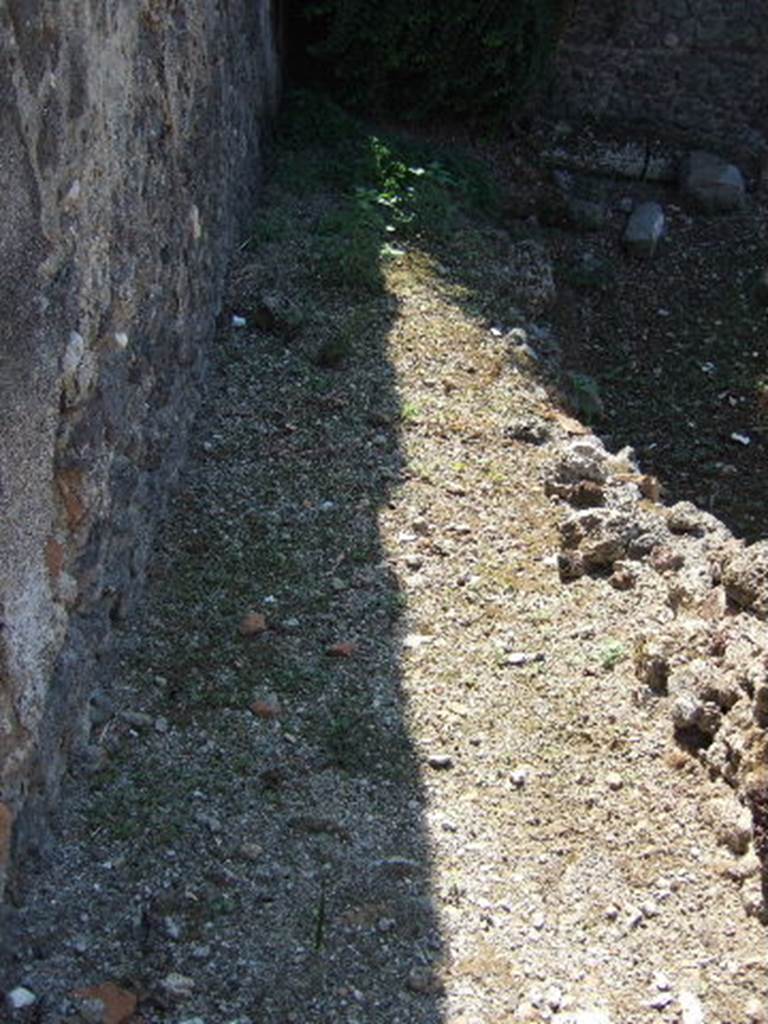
[697, 67]
[130, 141]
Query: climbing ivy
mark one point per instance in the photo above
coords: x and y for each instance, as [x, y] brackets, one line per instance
[477, 59]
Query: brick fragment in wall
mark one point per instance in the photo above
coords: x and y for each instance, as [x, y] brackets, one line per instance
[54, 558]
[70, 484]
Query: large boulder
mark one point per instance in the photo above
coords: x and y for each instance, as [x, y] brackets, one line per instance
[711, 183]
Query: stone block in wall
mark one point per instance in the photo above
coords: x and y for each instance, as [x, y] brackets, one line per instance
[130, 148]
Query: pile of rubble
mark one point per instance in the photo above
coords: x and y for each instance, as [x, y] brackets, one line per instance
[704, 182]
[709, 661]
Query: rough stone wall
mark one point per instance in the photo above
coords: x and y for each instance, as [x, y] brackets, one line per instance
[697, 67]
[130, 141]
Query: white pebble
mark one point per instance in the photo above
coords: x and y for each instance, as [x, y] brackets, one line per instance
[756, 1011]
[440, 762]
[692, 1010]
[177, 986]
[590, 1016]
[554, 997]
[614, 781]
[73, 193]
[73, 355]
[20, 997]
[517, 658]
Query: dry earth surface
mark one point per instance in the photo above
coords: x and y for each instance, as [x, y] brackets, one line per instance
[368, 754]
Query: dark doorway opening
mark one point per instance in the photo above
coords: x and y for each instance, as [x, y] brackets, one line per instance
[302, 29]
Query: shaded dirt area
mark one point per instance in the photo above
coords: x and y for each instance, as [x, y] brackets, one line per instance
[677, 345]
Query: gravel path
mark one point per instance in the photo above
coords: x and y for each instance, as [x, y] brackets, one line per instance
[364, 757]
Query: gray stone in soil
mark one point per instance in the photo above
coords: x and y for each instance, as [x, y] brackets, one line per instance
[528, 429]
[101, 709]
[651, 538]
[689, 712]
[644, 230]
[399, 867]
[685, 517]
[424, 981]
[92, 759]
[92, 1011]
[570, 565]
[440, 762]
[714, 185]
[662, 1000]
[177, 986]
[652, 667]
[137, 719]
[584, 459]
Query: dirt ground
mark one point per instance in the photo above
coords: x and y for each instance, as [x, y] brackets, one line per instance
[367, 754]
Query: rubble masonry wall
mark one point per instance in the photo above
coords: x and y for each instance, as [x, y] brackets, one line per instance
[131, 134]
[692, 66]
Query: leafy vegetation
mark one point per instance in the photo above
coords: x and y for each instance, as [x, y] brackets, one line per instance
[467, 58]
[381, 192]
[611, 654]
[585, 396]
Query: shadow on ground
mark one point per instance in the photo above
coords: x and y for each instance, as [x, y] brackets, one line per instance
[262, 815]
[678, 349]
